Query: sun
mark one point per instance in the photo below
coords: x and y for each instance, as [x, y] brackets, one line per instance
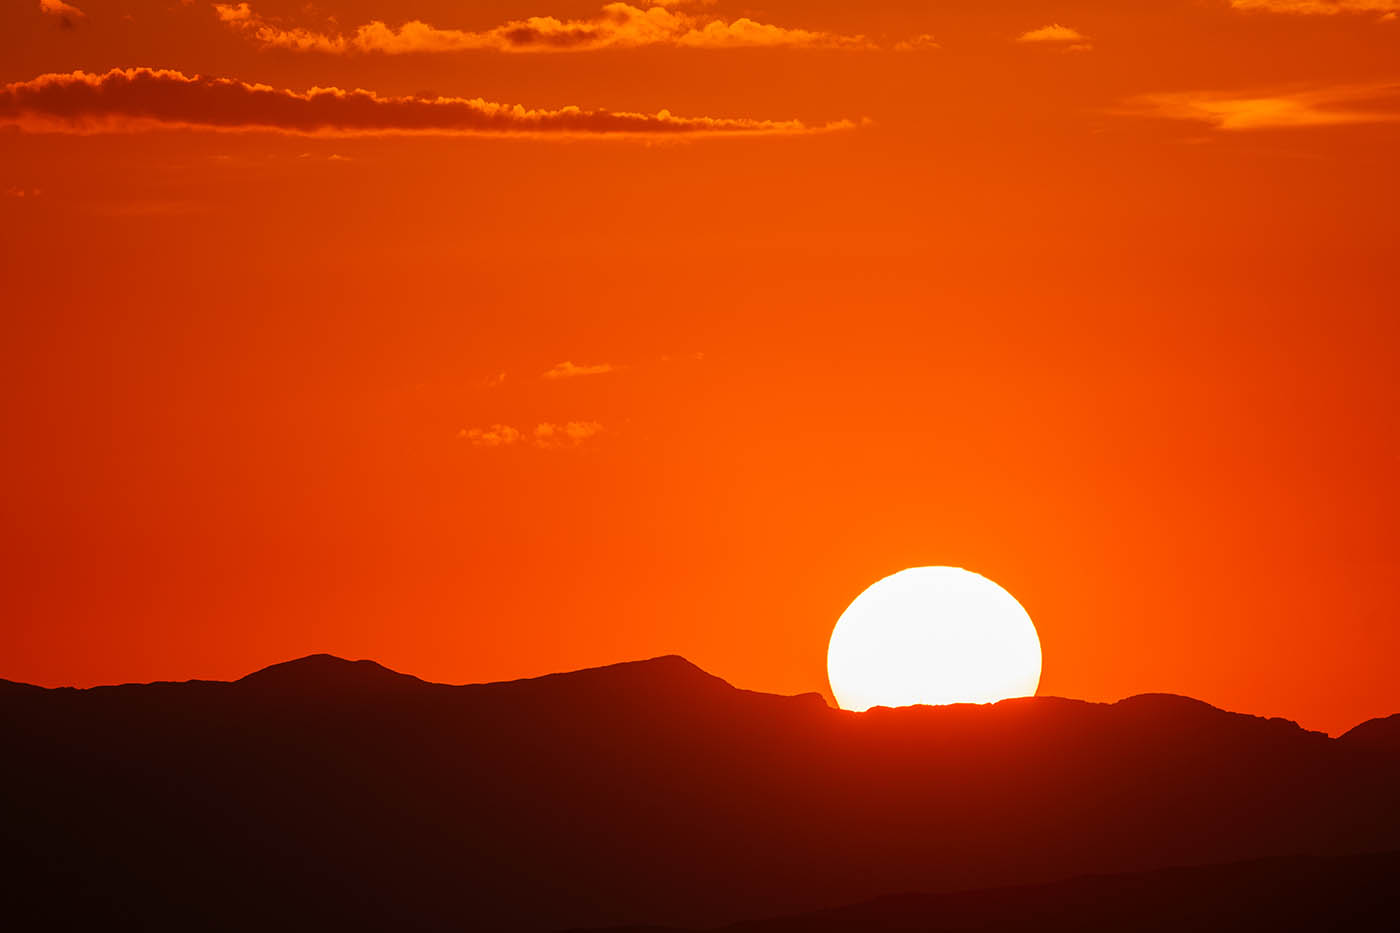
[932, 635]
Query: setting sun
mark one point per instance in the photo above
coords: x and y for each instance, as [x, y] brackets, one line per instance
[933, 635]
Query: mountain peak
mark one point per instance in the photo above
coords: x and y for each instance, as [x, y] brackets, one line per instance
[1382, 733]
[1170, 710]
[665, 671]
[326, 672]
[1166, 702]
[671, 665]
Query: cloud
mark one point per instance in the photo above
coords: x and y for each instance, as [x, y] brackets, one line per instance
[569, 369]
[59, 8]
[498, 435]
[571, 434]
[617, 26]
[920, 43]
[546, 435]
[1338, 106]
[1317, 7]
[1053, 33]
[127, 99]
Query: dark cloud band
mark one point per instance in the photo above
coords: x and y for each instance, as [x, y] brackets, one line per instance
[126, 99]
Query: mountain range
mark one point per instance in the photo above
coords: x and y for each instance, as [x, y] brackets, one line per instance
[331, 794]
[1298, 894]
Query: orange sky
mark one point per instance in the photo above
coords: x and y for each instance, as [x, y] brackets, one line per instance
[1097, 299]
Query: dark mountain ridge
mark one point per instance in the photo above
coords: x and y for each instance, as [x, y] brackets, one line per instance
[324, 792]
[1300, 893]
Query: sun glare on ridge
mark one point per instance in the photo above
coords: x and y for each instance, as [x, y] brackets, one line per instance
[933, 635]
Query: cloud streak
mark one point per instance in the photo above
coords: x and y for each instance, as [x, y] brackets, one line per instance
[129, 99]
[921, 43]
[1052, 33]
[1337, 106]
[617, 26]
[545, 436]
[1317, 7]
[570, 370]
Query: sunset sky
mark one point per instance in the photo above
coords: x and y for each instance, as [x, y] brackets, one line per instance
[494, 339]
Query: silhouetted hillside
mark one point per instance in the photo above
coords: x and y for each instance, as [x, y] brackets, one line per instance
[326, 794]
[324, 674]
[1381, 735]
[1308, 893]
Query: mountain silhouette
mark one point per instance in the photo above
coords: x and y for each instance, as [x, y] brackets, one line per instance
[1380, 735]
[1302, 893]
[325, 674]
[325, 793]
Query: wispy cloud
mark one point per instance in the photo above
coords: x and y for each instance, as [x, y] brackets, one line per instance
[569, 370]
[497, 435]
[920, 43]
[570, 434]
[1336, 106]
[617, 26]
[1052, 33]
[1318, 7]
[546, 435]
[126, 99]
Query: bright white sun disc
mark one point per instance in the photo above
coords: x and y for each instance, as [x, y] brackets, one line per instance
[933, 635]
